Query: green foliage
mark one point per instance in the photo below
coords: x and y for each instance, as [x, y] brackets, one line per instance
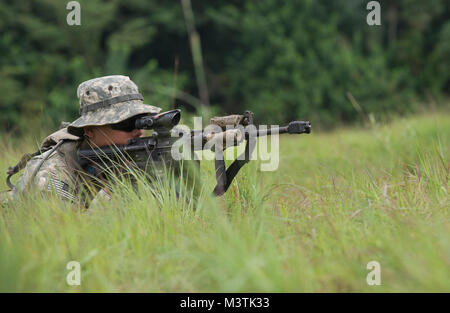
[282, 59]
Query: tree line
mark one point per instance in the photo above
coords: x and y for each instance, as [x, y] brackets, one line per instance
[316, 60]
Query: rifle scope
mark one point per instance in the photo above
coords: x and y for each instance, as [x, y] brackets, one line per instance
[165, 120]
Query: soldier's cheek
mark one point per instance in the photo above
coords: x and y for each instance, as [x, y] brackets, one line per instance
[126, 137]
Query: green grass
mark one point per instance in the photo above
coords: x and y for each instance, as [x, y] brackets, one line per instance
[337, 201]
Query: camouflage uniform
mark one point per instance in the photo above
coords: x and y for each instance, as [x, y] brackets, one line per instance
[104, 100]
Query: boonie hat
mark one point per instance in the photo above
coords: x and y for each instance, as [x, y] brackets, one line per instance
[108, 100]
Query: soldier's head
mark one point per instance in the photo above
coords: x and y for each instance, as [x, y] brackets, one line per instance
[109, 106]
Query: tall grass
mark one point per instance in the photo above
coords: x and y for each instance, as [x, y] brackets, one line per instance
[337, 201]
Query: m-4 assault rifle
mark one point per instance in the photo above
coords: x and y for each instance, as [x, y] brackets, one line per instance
[155, 152]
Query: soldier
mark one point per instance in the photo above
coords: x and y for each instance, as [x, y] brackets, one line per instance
[108, 107]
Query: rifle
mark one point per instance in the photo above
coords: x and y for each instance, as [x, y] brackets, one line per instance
[153, 153]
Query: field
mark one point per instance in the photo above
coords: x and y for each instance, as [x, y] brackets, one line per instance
[337, 201]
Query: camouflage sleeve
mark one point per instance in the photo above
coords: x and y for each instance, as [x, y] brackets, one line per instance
[58, 185]
[53, 176]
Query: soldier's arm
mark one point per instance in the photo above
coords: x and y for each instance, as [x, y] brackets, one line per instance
[100, 200]
[52, 176]
[57, 183]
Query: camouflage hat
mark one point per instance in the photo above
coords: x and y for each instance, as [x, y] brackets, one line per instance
[108, 100]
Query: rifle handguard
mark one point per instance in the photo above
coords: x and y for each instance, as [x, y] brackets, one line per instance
[229, 120]
[226, 139]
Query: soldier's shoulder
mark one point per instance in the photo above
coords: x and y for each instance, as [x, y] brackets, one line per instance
[50, 166]
[54, 157]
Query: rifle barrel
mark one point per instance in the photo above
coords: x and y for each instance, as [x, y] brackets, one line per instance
[295, 127]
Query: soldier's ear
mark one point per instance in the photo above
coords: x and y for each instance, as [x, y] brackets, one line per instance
[88, 132]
